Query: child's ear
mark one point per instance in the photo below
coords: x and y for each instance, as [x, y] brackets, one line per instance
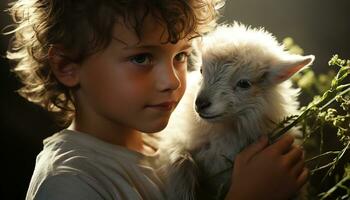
[64, 69]
[284, 69]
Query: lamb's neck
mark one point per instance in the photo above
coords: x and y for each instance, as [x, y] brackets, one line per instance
[249, 128]
[204, 132]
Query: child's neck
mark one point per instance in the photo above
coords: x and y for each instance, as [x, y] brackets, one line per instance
[129, 138]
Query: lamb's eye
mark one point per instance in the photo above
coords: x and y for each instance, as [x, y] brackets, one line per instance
[244, 83]
[201, 70]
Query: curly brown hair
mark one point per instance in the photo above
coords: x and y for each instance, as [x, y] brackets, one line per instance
[83, 28]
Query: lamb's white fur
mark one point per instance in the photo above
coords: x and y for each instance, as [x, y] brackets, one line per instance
[192, 149]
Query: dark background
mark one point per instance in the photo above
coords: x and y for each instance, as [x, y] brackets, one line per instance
[320, 27]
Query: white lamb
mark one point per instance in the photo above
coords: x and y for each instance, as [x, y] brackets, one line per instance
[242, 92]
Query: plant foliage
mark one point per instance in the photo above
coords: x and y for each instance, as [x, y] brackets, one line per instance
[327, 115]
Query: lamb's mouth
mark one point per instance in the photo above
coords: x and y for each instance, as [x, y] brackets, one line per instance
[204, 116]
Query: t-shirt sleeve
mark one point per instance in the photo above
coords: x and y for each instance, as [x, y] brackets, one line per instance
[66, 187]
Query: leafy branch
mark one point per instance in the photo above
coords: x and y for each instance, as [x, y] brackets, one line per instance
[337, 92]
[342, 184]
[332, 108]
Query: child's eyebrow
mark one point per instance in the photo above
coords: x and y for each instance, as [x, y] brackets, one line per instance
[185, 46]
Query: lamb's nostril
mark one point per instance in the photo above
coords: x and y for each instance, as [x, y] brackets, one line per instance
[202, 104]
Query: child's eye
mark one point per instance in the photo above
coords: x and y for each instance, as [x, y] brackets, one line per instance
[142, 59]
[181, 57]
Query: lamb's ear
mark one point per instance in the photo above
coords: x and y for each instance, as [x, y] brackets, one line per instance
[284, 69]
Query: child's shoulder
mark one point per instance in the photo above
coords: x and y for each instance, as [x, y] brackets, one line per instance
[70, 157]
[63, 170]
[74, 149]
[65, 186]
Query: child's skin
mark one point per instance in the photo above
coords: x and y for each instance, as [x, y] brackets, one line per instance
[272, 172]
[128, 88]
[132, 86]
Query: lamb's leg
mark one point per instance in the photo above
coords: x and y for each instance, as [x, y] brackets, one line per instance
[182, 178]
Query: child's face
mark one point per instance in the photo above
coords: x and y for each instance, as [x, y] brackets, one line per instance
[134, 84]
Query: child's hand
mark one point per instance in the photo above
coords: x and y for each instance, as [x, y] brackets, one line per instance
[268, 172]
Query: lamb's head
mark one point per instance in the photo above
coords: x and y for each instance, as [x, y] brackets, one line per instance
[242, 73]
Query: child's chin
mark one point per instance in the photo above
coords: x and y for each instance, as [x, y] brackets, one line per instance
[155, 128]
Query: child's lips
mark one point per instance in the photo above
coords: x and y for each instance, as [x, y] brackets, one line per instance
[165, 106]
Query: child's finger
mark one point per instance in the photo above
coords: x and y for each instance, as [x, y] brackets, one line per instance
[298, 168]
[301, 180]
[283, 145]
[250, 151]
[293, 156]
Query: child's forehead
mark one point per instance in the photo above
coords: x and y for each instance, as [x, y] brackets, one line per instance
[153, 31]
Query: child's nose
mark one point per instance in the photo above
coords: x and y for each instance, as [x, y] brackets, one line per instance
[168, 79]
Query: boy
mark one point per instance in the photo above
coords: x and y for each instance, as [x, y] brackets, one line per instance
[114, 71]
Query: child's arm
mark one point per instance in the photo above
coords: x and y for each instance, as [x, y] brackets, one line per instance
[268, 172]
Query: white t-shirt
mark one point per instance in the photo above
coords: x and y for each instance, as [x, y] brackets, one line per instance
[76, 166]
